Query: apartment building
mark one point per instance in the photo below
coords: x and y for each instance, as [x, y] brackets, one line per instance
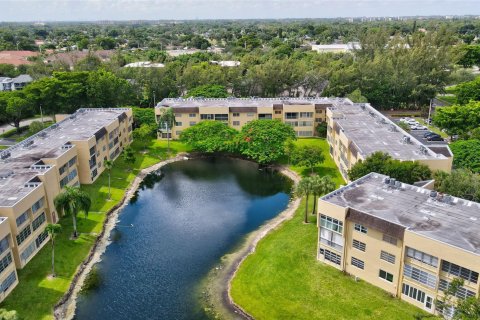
[303, 114]
[34, 171]
[356, 130]
[407, 240]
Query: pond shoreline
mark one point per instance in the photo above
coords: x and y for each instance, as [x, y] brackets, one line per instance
[215, 289]
[65, 308]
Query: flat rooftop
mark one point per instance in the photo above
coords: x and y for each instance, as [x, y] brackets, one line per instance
[443, 218]
[16, 161]
[371, 131]
[242, 102]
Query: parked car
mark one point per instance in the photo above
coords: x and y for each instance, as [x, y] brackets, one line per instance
[430, 134]
[418, 127]
[435, 138]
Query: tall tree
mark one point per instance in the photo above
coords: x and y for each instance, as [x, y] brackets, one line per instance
[308, 156]
[128, 156]
[320, 187]
[108, 164]
[210, 136]
[53, 230]
[71, 201]
[166, 121]
[304, 189]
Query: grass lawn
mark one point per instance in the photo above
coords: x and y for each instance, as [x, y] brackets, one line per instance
[283, 279]
[35, 295]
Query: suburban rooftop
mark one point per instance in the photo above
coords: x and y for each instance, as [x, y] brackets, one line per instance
[17, 162]
[242, 102]
[428, 213]
[371, 131]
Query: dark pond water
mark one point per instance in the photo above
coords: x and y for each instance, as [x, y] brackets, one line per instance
[182, 222]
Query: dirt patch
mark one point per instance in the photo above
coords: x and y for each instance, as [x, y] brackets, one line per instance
[215, 289]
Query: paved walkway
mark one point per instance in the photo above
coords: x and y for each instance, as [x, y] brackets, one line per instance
[6, 127]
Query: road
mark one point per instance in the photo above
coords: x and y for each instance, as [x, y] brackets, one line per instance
[6, 127]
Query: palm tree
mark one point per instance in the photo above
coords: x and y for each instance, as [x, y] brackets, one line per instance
[53, 230]
[320, 187]
[108, 166]
[166, 120]
[304, 188]
[71, 201]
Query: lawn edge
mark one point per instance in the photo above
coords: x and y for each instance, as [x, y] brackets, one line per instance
[65, 308]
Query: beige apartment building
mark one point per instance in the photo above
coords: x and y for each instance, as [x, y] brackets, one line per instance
[34, 171]
[356, 130]
[410, 241]
[303, 114]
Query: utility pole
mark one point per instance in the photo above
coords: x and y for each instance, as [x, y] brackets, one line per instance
[154, 99]
[41, 115]
[429, 112]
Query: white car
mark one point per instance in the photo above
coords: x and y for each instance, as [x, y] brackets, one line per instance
[418, 127]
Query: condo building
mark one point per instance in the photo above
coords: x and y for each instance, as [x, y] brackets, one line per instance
[303, 114]
[356, 130]
[407, 240]
[34, 171]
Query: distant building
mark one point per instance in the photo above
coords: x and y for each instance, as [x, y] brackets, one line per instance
[17, 83]
[408, 240]
[336, 48]
[226, 63]
[144, 64]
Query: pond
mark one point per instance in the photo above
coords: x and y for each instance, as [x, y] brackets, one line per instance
[182, 221]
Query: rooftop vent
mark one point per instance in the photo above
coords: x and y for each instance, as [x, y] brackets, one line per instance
[42, 134]
[73, 116]
[433, 194]
[371, 113]
[423, 150]
[392, 128]
[362, 106]
[398, 184]
[448, 199]
[406, 139]
[392, 182]
[386, 180]
[5, 155]
[27, 143]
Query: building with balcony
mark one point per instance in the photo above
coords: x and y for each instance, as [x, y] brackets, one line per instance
[303, 114]
[356, 130]
[410, 241]
[34, 171]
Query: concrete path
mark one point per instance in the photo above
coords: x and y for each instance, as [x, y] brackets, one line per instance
[6, 127]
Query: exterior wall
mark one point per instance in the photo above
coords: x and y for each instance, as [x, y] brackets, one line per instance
[302, 125]
[369, 251]
[7, 255]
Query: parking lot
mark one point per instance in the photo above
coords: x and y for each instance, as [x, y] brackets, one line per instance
[418, 134]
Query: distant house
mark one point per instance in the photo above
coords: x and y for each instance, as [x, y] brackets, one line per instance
[226, 63]
[144, 64]
[336, 48]
[17, 83]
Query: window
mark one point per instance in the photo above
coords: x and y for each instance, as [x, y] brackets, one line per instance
[72, 175]
[360, 228]
[178, 133]
[28, 251]
[41, 238]
[389, 239]
[4, 244]
[420, 276]
[331, 223]
[359, 245]
[291, 115]
[385, 275]
[318, 111]
[358, 263]
[63, 168]
[422, 257]
[304, 133]
[236, 123]
[305, 123]
[7, 283]
[192, 115]
[236, 114]
[265, 116]
[318, 120]
[23, 235]
[414, 293]
[5, 262]
[278, 112]
[22, 218]
[93, 150]
[292, 123]
[38, 221]
[207, 116]
[459, 271]
[37, 205]
[250, 114]
[332, 239]
[72, 161]
[333, 257]
[192, 123]
[178, 115]
[94, 173]
[461, 293]
[387, 257]
[221, 117]
[306, 114]
[178, 124]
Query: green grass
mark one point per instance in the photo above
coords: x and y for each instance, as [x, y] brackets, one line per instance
[326, 168]
[35, 295]
[283, 279]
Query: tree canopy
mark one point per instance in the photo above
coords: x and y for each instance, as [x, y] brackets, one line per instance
[466, 154]
[458, 119]
[210, 136]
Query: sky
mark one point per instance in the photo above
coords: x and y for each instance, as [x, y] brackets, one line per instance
[93, 10]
